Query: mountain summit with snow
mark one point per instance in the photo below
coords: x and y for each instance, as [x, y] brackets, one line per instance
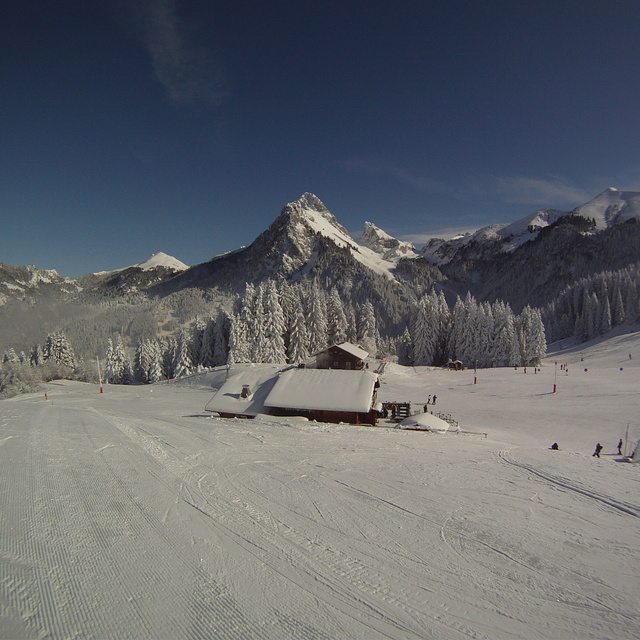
[388, 247]
[161, 259]
[376, 250]
[610, 208]
[305, 240]
[528, 261]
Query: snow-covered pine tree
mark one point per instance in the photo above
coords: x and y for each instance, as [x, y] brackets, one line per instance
[36, 358]
[10, 356]
[484, 335]
[110, 373]
[57, 350]
[425, 330]
[444, 321]
[123, 365]
[183, 364]
[221, 339]
[604, 317]
[207, 351]
[404, 349]
[155, 366]
[618, 313]
[288, 301]
[538, 340]
[505, 348]
[274, 326]
[299, 339]
[367, 329]
[141, 363]
[533, 344]
[352, 332]
[239, 338]
[147, 367]
[461, 338]
[316, 319]
[255, 322]
[336, 319]
[234, 321]
[197, 337]
[167, 348]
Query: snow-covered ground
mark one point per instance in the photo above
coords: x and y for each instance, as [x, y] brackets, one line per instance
[134, 513]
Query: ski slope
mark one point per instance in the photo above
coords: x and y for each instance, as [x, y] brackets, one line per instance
[134, 513]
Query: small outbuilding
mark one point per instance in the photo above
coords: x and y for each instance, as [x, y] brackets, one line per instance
[424, 422]
[342, 356]
[455, 365]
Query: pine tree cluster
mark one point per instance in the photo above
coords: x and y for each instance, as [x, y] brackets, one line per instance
[55, 359]
[482, 334]
[593, 306]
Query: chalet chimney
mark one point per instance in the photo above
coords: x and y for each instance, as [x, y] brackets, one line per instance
[246, 391]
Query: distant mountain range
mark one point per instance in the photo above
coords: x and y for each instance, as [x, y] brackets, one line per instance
[525, 262]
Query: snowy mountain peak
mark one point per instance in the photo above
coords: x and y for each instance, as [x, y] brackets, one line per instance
[382, 243]
[308, 217]
[310, 213]
[611, 207]
[161, 259]
[311, 201]
[310, 210]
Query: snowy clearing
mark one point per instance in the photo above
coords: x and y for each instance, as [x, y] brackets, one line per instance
[134, 513]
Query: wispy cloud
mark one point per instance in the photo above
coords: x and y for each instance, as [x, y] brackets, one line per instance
[526, 190]
[376, 166]
[542, 191]
[188, 72]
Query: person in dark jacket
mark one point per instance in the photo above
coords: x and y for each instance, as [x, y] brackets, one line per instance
[596, 453]
[620, 447]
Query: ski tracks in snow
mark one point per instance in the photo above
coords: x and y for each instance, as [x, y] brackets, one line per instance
[129, 520]
[572, 485]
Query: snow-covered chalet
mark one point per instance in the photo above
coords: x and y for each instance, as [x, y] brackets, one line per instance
[323, 394]
[341, 356]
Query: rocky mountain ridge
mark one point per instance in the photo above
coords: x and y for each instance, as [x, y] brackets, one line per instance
[522, 262]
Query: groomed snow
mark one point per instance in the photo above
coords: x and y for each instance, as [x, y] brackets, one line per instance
[134, 513]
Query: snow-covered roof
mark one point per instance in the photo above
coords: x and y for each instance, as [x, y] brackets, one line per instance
[357, 352]
[229, 398]
[323, 389]
[353, 350]
[426, 421]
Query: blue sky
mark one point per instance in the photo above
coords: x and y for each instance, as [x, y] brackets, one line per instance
[131, 127]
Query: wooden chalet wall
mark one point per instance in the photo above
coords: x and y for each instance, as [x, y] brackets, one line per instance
[334, 417]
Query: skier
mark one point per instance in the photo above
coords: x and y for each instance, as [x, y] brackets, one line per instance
[555, 446]
[596, 453]
[434, 398]
[620, 447]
